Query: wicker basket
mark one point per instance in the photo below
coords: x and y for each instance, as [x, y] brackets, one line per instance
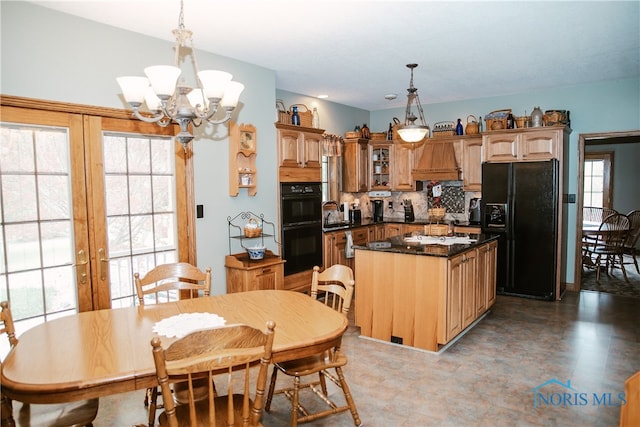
[306, 115]
[436, 229]
[441, 129]
[472, 127]
[497, 120]
[437, 214]
[378, 136]
[252, 229]
[352, 134]
[522, 121]
[283, 114]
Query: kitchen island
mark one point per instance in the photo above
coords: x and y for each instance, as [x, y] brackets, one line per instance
[419, 293]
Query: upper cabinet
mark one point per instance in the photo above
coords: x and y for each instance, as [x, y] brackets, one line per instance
[472, 163]
[524, 145]
[299, 153]
[381, 171]
[355, 165]
[402, 179]
[242, 159]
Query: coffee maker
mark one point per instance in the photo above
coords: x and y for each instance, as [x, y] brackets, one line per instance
[474, 211]
[378, 210]
[408, 211]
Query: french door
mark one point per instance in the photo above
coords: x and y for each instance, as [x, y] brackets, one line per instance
[85, 201]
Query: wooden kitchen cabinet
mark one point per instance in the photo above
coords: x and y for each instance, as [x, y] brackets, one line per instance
[355, 165]
[335, 243]
[472, 163]
[381, 166]
[524, 145]
[461, 289]
[486, 285]
[402, 159]
[299, 153]
[376, 232]
[244, 274]
[391, 229]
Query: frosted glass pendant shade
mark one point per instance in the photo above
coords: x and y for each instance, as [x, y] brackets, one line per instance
[231, 94]
[163, 79]
[195, 98]
[133, 88]
[152, 100]
[412, 133]
[214, 82]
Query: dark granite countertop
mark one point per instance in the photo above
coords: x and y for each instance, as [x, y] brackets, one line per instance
[369, 221]
[398, 244]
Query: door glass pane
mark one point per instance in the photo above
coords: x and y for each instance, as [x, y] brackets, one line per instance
[140, 205]
[36, 248]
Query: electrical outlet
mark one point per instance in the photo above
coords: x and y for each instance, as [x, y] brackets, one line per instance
[390, 205]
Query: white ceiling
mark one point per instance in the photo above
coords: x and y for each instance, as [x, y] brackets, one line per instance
[356, 51]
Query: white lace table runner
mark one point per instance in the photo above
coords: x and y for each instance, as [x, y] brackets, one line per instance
[182, 324]
[447, 241]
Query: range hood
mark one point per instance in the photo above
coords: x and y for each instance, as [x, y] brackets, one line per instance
[436, 161]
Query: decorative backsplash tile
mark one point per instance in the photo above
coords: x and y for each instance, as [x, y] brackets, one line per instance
[452, 197]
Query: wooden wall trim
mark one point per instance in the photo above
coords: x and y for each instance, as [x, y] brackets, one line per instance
[41, 104]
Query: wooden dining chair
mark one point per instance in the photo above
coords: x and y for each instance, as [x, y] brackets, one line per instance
[609, 243]
[204, 353]
[335, 287]
[632, 238]
[630, 411]
[162, 284]
[81, 413]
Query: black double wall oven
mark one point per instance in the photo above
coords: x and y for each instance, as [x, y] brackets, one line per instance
[301, 215]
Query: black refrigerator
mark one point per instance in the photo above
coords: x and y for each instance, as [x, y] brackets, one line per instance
[520, 204]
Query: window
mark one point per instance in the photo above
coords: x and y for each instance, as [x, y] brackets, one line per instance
[598, 168]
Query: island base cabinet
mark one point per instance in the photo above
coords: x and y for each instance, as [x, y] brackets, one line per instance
[397, 297]
[422, 301]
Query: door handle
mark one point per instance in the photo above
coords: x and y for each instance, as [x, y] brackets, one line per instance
[82, 263]
[104, 263]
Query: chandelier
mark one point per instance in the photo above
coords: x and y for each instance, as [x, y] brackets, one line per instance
[409, 131]
[169, 100]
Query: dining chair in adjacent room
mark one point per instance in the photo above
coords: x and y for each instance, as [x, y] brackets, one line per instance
[80, 413]
[233, 349]
[335, 287]
[165, 283]
[609, 244]
[632, 237]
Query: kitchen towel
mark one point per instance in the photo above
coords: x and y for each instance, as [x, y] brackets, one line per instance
[348, 248]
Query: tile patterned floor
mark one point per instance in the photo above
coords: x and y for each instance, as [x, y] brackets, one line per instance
[488, 377]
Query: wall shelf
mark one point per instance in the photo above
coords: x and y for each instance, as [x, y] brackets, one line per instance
[243, 140]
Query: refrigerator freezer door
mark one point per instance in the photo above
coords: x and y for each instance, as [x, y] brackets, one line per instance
[534, 228]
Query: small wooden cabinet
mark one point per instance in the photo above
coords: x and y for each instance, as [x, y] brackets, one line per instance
[247, 230]
[355, 165]
[472, 163]
[244, 274]
[299, 153]
[533, 144]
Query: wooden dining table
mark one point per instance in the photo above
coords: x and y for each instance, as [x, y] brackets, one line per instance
[104, 352]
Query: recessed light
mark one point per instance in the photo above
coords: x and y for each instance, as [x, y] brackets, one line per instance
[390, 96]
[323, 96]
